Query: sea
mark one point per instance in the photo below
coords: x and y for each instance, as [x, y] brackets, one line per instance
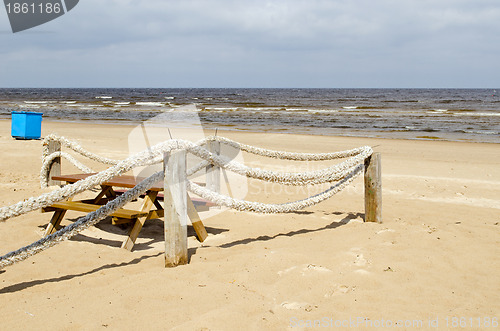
[471, 115]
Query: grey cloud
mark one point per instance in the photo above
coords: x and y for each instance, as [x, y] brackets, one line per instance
[262, 43]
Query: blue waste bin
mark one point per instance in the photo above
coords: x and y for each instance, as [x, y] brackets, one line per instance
[26, 125]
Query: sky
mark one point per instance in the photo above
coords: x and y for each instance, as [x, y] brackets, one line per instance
[253, 43]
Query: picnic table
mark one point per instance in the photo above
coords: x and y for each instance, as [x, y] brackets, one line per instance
[151, 207]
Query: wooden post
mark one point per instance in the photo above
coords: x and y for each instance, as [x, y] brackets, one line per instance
[213, 171]
[373, 188]
[175, 207]
[55, 166]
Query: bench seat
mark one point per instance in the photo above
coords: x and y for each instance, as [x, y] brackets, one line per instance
[87, 208]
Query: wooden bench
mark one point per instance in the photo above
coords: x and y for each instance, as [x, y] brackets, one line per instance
[120, 216]
[138, 217]
[86, 207]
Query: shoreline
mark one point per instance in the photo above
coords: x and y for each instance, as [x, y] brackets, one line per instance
[367, 135]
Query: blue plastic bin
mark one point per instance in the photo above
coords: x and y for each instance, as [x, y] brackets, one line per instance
[26, 125]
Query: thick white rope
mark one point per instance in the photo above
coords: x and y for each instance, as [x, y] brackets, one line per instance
[68, 191]
[344, 173]
[326, 175]
[81, 224]
[330, 174]
[74, 146]
[155, 154]
[258, 207]
[113, 205]
[246, 148]
[47, 162]
[286, 155]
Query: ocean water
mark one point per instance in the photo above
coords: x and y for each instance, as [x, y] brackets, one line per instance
[435, 114]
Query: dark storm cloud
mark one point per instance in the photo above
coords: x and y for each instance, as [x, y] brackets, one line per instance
[436, 43]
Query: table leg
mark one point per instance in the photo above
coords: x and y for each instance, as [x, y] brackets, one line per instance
[56, 219]
[198, 226]
[55, 222]
[149, 201]
[105, 191]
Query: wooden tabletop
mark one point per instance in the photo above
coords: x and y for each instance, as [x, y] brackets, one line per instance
[118, 181]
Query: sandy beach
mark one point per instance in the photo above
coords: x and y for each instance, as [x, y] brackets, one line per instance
[434, 260]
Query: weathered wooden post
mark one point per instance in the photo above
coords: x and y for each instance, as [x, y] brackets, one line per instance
[373, 188]
[55, 166]
[175, 205]
[213, 171]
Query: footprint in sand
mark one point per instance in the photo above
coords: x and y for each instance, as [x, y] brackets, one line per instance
[359, 261]
[313, 268]
[339, 290]
[306, 269]
[385, 230]
[298, 305]
[284, 272]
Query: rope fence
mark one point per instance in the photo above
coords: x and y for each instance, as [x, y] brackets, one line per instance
[338, 176]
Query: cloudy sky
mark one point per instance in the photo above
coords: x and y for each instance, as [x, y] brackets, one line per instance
[254, 43]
